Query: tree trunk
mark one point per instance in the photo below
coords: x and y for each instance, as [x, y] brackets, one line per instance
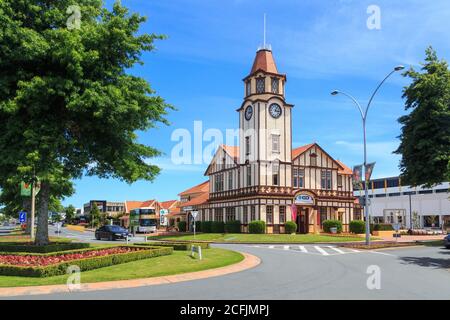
[27, 208]
[42, 221]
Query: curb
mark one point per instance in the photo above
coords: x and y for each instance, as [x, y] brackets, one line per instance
[249, 262]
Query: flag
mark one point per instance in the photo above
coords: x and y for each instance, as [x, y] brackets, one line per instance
[25, 189]
[294, 212]
[368, 170]
[357, 173]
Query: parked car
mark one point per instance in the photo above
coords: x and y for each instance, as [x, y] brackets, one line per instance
[6, 224]
[447, 241]
[111, 233]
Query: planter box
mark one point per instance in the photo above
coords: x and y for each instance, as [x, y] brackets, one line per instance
[384, 234]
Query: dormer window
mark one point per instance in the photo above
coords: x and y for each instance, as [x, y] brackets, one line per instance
[248, 87]
[260, 85]
[275, 85]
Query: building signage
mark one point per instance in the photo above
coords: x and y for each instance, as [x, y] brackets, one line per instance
[162, 217]
[303, 199]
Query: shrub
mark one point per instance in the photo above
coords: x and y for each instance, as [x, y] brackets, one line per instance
[327, 224]
[217, 227]
[257, 227]
[198, 226]
[233, 226]
[290, 227]
[182, 226]
[357, 226]
[31, 248]
[85, 264]
[206, 226]
[176, 245]
[383, 227]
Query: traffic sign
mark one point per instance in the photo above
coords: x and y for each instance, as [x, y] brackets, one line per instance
[194, 214]
[22, 216]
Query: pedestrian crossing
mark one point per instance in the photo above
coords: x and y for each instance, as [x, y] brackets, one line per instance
[322, 250]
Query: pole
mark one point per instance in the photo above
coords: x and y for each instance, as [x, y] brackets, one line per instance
[194, 227]
[366, 186]
[33, 207]
[410, 212]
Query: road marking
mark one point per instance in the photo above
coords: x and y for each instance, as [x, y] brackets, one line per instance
[286, 247]
[303, 249]
[353, 250]
[337, 250]
[271, 247]
[323, 252]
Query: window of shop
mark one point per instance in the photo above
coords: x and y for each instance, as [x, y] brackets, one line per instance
[323, 214]
[230, 214]
[295, 175]
[299, 178]
[282, 214]
[244, 214]
[269, 214]
[339, 181]
[252, 213]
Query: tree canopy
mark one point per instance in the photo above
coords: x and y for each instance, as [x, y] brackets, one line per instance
[425, 136]
[68, 105]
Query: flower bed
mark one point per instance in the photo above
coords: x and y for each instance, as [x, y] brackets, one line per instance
[176, 245]
[45, 265]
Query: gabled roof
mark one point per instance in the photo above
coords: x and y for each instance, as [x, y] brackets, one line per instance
[264, 61]
[201, 199]
[346, 169]
[168, 204]
[131, 205]
[202, 187]
[298, 151]
[148, 203]
[233, 151]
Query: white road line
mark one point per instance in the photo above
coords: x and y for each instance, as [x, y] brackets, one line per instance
[285, 247]
[271, 247]
[337, 250]
[353, 250]
[303, 249]
[323, 252]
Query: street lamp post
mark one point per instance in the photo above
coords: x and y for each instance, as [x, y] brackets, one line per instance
[364, 118]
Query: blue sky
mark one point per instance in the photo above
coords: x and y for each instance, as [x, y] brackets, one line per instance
[320, 45]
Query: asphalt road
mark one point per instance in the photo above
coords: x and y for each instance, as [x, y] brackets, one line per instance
[87, 236]
[308, 272]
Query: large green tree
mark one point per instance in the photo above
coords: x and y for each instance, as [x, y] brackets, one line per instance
[425, 136]
[68, 106]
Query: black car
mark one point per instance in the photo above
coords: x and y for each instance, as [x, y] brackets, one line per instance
[447, 241]
[111, 233]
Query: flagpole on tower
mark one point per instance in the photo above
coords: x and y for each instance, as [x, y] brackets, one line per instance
[264, 44]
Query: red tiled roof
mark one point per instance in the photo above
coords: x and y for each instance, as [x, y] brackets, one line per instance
[131, 205]
[346, 169]
[264, 61]
[147, 203]
[202, 187]
[298, 151]
[233, 151]
[201, 199]
[167, 204]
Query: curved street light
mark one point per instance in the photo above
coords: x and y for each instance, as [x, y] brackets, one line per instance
[364, 117]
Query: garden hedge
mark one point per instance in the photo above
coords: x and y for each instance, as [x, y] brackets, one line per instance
[176, 245]
[206, 226]
[233, 226]
[290, 227]
[357, 226]
[198, 226]
[327, 224]
[257, 227]
[217, 227]
[84, 264]
[182, 226]
[383, 227]
[50, 248]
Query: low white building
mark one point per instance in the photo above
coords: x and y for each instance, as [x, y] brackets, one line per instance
[418, 207]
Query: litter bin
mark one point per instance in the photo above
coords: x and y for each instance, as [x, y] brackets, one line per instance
[333, 230]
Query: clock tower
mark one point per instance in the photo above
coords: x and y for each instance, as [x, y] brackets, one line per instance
[265, 126]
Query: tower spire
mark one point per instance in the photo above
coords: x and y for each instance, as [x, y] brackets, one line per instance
[265, 46]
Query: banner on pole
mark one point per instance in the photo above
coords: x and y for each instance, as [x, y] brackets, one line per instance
[357, 177]
[25, 189]
[369, 170]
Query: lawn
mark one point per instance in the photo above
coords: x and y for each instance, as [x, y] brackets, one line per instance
[260, 238]
[178, 262]
[26, 238]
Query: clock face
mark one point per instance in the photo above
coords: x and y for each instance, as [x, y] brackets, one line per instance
[248, 113]
[275, 110]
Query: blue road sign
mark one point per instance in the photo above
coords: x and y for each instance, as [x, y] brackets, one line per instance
[22, 216]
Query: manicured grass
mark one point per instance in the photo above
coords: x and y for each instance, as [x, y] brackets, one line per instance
[178, 262]
[259, 238]
[26, 238]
